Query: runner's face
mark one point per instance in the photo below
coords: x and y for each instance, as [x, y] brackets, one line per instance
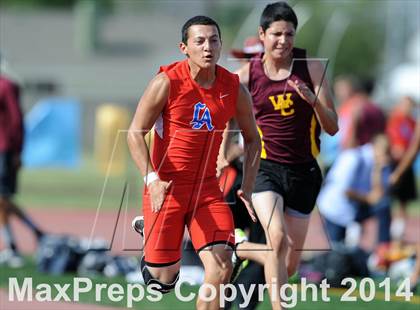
[203, 45]
[278, 39]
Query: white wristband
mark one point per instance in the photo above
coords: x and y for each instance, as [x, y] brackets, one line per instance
[150, 177]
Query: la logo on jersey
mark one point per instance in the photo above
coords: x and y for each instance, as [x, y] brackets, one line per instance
[205, 119]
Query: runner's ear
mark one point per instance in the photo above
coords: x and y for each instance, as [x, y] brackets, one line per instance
[183, 48]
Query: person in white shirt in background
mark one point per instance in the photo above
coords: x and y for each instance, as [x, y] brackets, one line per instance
[355, 189]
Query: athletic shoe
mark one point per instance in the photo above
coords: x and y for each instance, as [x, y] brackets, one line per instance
[138, 224]
[397, 229]
[238, 263]
[353, 235]
[11, 258]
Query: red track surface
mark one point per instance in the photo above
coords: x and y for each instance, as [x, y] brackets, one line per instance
[81, 223]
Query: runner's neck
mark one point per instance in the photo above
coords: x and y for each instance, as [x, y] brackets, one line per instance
[274, 67]
[203, 77]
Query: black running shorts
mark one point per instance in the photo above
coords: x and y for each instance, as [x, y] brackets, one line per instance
[8, 175]
[298, 184]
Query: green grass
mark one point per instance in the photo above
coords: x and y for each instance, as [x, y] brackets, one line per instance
[170, 301]
[29, 270]
[77, 188]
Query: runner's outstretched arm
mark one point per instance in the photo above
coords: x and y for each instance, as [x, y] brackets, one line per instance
[150, 106]
[252, 147]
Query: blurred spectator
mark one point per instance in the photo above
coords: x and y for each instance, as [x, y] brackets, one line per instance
[356, 188]
[11, 141]
[404, 164]
[360, 119]
[400, 130]
[251, 47]
[345, 86]
[409, 156]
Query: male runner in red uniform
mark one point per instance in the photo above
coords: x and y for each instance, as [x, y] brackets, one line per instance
[291, 102]
[190, 102]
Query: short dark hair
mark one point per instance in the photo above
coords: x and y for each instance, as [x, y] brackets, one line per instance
[368, 85]
[198, 20]
[275, 12]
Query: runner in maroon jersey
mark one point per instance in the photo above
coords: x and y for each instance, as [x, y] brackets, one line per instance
[292, 102]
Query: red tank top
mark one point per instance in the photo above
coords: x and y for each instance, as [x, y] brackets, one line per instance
[287, 124]
[188, 133]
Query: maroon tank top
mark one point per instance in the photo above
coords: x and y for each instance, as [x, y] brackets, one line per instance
[287, 124]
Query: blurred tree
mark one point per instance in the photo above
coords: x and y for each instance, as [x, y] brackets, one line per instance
[38, 3]
[355, 44]
[230, 15]
[361, 48]
[51, 3]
